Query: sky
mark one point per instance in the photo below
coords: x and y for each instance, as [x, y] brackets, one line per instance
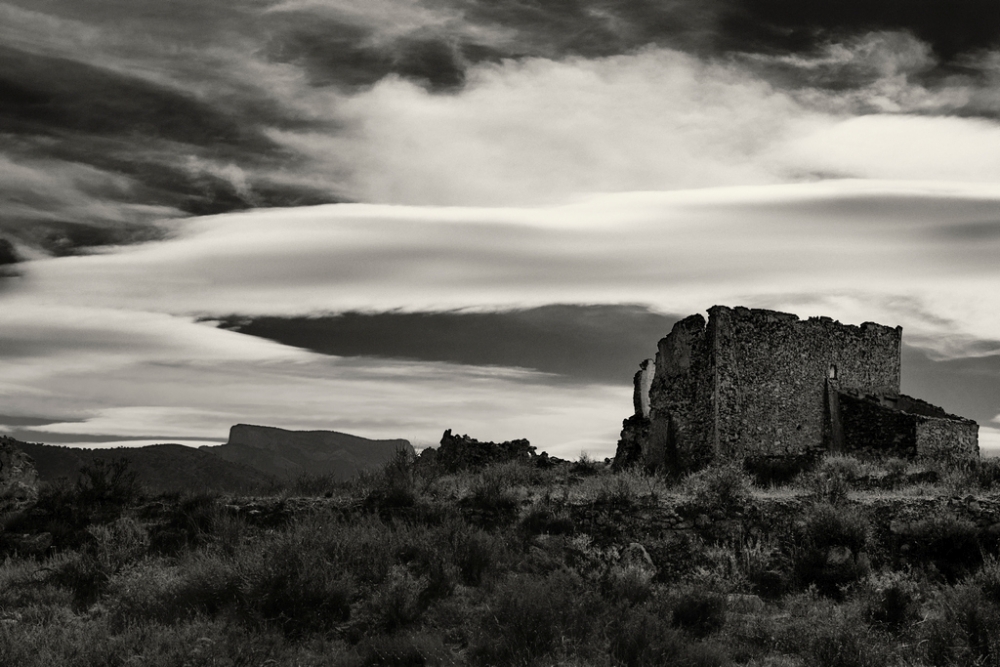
[396, 217]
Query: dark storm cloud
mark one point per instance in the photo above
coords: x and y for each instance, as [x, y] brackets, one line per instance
[49, 96]
[126, 113]
[596, 343]
[580, 344]
[951, 27]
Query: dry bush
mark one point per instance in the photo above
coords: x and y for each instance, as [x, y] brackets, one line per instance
[725, 487]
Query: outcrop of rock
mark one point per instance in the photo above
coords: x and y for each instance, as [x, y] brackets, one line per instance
[18, 478]
[460, 452]
[288, 454]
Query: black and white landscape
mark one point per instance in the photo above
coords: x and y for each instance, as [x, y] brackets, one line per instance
[387, 218]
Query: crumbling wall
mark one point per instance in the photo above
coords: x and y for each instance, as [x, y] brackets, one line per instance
[772, 370]
[950, 439]
[874, 430]
[881, 426]
[759, 384]
[680, 398]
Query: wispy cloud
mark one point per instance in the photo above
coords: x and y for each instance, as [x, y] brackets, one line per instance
[117, 330]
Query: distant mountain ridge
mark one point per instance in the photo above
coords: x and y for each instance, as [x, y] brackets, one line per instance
[159, 468]
[289, 454]
[255, 456]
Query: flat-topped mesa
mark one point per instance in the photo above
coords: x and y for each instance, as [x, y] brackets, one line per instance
[758, 383]
[290, 454]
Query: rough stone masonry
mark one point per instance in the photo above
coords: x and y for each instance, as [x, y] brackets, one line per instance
[752, 383]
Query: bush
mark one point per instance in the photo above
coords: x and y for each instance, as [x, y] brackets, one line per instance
[110, 548]
[615, 493]
[532, 616]
[726, 487]
[541, 519]
[834, 477]
[492, 500]
[770, 471]
[964, 631]
[948, 545]
[831, 547]
[893, 604]
[639, 638]
[699, 612]
[394, 486]
[475, 553]
[841, 644]
[107, 484]
[289, 584]
[415, 650]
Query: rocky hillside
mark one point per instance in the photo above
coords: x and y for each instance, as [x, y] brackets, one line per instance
[291, 454]
[158, 468]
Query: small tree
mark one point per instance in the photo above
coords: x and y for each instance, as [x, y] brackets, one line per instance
[104, 483]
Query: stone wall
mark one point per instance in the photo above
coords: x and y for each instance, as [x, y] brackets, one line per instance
[952, 439]
[680, 398]
[771, 373]
[905, 427]
[751, 383]
[873, 430]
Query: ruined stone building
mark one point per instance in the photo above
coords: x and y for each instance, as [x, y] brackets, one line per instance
[754, 383]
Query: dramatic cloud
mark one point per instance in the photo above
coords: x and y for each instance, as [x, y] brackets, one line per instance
[478, 138]
[234, 105]
[117, 330]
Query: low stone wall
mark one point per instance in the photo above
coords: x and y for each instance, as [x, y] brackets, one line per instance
[947, 439]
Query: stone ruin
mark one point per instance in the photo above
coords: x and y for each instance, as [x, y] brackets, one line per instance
[753, 384]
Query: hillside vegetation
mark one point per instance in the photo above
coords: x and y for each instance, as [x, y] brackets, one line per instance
[527, 561]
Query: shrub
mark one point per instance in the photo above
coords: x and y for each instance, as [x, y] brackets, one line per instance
[194, 520]
[532, 616]
[108, 484]
[615, 493]
[541, 519]
[414, 650]
[841, 644]
[699, 612]
[893, 604]
[475, 553]
[398, 602]
[155, 592]
[85, 576]
[394, 486]
[948, 545]
[639, 638]
[110, 548]
[988, 579]
[725, 487]
[585, 466]
[289, 584]
[834, 477]
[492, 499]
[964, 631]
[770, 471]
[831, 544]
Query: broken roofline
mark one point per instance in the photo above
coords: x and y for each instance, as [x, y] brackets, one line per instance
[757, 382]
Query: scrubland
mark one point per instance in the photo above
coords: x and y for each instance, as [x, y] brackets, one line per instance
[513, 564]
